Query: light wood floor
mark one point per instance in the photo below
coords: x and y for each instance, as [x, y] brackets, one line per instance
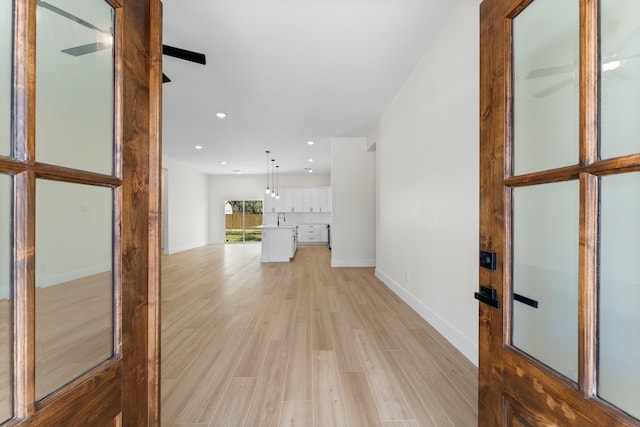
[300, 344]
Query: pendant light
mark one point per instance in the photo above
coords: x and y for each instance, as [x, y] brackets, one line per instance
[273, 193]
[277, 182]
[266, 191]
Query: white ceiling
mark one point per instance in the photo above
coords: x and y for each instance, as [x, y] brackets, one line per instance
[285, 72]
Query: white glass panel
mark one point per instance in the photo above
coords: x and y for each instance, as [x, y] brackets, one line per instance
[6, 11]
[6, 324]
[75, 84]
[545, 85]
[619, 358]
[620, 83]
[74, 318]
[545, 269]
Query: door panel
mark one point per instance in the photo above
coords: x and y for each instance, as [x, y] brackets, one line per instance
[571, 360]
[81, 190]
[75, 84]
[545, 276]
[6, 11]
[619, 317]
[620, 84]
[6, 301]
[74, 281]
[545, 86]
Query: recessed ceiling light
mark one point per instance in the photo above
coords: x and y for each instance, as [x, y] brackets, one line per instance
[309, 170]
[221, 115]
[310, 160]
[310, 142]
[223, 163]
[198, 147]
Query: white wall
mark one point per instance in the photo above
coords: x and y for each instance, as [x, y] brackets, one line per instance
[246, 187]
[187, 206]
[353, 233]
[427, 159]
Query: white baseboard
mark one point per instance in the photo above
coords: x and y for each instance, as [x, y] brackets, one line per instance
[353, 262]
[461, 342]
[187, 247]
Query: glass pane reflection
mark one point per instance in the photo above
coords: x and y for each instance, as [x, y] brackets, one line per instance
[6, 323]
[619, 335]
[545, 86]
[620, 83]
[75, 84]
[545, 268]
[74, 318]
[6, 27]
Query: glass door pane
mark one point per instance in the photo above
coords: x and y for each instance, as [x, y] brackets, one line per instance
[545, 86]
[6, 36]
[74, 296]
[240, 218]
[545, 274]
[620, 82]
[75, 84]
[6, 299]
[619, 315]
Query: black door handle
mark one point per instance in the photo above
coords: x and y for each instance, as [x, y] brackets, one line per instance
[487, 295]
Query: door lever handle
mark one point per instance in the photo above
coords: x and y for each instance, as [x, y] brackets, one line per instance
[487, 295]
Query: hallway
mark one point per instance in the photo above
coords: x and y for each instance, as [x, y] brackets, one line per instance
[300, 344]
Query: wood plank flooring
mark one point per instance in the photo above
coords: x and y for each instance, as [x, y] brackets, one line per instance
[300, 344]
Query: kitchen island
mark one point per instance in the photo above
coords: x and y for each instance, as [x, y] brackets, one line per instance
[279, 243]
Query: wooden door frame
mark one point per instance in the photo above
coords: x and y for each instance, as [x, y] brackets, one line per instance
[131, 379]
[564, 403]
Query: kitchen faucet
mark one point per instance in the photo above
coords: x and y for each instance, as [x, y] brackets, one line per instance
[284, 218]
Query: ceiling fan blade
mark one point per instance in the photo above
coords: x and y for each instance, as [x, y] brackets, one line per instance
[554, 88]
[67, 15]
[86, 48]
[187, 55]
[165, 78]
[549, 71]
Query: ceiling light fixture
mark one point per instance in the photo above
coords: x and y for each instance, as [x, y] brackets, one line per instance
[310, 160]
[198, 147]
[273, 193]
[266, 190]
[310, 142]
[221, 115]
[277, 182]
[223, 163]
[309, 170]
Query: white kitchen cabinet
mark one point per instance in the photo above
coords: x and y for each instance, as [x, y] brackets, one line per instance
[278, 243]
[311, 200]
[322, 199]
[312, 233]
[294, 202]
[301, 200]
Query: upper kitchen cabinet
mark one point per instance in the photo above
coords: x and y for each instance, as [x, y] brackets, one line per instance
[300, 200]
[293, 200]
[314, 200]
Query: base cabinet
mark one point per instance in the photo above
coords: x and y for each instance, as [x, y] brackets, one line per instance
[278, 244]
[313, 233]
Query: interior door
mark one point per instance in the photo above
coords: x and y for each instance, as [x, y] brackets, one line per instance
[560, 202]
[79, 199]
